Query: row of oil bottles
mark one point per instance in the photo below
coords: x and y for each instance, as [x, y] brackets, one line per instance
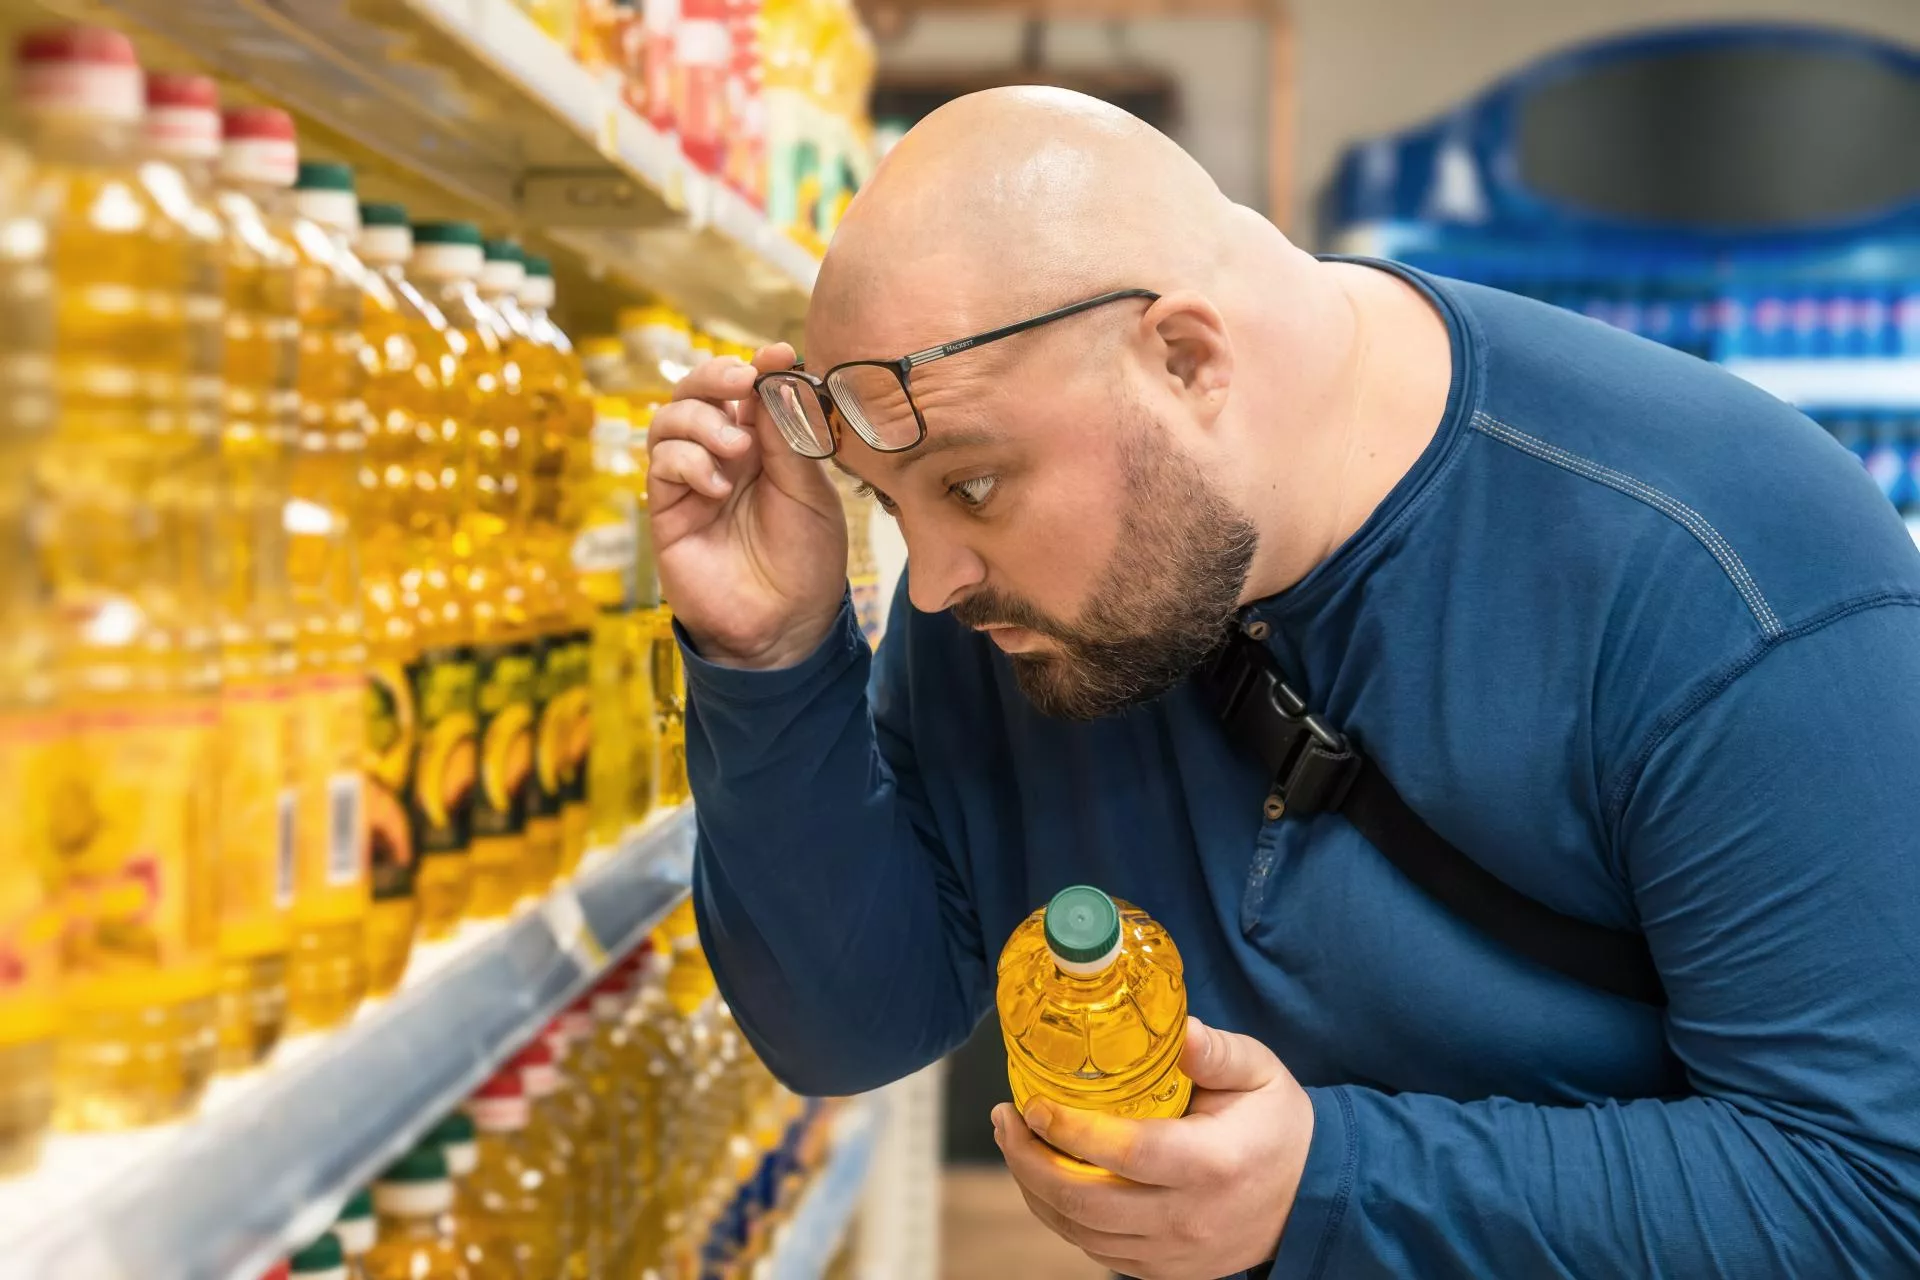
[329, 614]
[639, 1137]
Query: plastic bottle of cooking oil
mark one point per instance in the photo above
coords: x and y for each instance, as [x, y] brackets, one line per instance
[255, 768]
[556, 415]
[508, 1197]
[550, 1146]
[1093, 1008]
[606, 557]
[355, 1226]
[531, 417]
[604, 360]
[127, 787]
[29, 876]
[324, 1259]
[447, 259]
[661, 679]
[410, 408]
[327, 974]
[486, 544]
[418, 1236]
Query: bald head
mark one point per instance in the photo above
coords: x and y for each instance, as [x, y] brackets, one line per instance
[1011, 201]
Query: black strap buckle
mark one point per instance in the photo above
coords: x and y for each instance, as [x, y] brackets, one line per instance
[1312, 764]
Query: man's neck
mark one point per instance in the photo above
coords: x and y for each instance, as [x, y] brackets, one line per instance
[1378, 414]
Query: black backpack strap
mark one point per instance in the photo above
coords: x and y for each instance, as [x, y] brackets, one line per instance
[1317, 769]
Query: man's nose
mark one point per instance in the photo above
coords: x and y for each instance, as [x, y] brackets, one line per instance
[940, 570]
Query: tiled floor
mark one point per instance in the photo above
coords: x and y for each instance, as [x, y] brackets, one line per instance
[986, 1233]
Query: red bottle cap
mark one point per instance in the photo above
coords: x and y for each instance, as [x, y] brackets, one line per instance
[252, 123]
[101, 45]
[536, 1054]
[174, 89]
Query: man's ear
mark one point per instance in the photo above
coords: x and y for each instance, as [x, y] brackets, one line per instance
[1190, 344]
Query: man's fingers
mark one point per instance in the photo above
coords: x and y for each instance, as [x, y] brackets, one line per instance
[1223, 1061]
[774, 358]
[1144, 1151]
[1106, 1243]
[683, 462]
[706, 425]
[1091, 1197]
[723, 378]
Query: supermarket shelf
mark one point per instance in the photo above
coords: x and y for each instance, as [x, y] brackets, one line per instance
[814, 1233]
[273, 1155]
[471, 99]
[1838, 383]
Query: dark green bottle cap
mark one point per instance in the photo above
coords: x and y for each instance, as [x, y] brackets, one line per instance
[505, 251]
[425, 1163]
[360, 1205]
[323, 1255]
[538, 266]
[446, 233]
[455, 1126]
[382, 213]
[324, 175]
[1082, 924]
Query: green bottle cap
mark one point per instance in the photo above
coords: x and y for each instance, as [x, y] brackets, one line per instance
[446, 233]
[425, 1163]
[324, 175]
[383, 214]
[538, 266]
[323, 1255]
[359, 1206]
[505, 251]
[455, 1126]
[1082, 925]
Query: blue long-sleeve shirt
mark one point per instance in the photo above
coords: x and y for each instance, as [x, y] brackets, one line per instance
[1639, 638]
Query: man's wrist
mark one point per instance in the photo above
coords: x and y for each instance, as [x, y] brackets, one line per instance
[789, 649]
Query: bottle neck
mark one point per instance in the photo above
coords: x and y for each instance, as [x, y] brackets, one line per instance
[196, 170]
[80, 138]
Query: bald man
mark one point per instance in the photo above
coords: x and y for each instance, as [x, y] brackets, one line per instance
[1634, 638]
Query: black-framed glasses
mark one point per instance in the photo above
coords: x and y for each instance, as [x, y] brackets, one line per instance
[875, 397]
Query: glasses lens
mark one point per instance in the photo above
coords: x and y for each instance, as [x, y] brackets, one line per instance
[874, 402]
[796, 411]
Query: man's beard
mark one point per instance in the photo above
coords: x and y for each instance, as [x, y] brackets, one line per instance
[1162, 605]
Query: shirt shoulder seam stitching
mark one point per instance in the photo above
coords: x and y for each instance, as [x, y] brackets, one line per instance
[1666, 504]
[1720, 681]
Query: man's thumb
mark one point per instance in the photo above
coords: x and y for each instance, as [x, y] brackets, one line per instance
[1226, 1062]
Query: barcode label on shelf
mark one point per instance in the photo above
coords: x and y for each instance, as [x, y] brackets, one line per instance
[283, 854]
[343, 828]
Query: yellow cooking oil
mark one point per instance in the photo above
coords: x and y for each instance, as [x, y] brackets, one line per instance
[572, 1112]
[125, 790]
[562, 413]
[533, 790]
[410, 407]
[659, 679]
[487, 543]
[417, 1236]
[606, 560]
[1093, 1008]
[255, 768]
[327, 972]
[30, 923]
[260, 767]
[509, 1197]
[447, 260]
[551, 1146]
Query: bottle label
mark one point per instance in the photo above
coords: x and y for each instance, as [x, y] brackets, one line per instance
[606, 552]
[388, 775]
[578, 723]
[29, 881]
[330, 859]
[129, 801]
[257, 817]
[560, 697]
[505, 675]
[440, 804]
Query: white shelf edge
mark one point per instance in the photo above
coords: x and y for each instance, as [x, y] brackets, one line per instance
[1849, 383]
[267, 1162]
[819, 1224]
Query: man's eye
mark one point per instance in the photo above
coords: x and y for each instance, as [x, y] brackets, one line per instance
[974, 492]
[866, 490]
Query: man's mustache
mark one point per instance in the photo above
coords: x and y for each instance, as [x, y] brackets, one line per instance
[991, 609]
